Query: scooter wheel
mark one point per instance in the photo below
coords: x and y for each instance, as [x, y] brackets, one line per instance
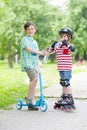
[43, 107]
[18, 105]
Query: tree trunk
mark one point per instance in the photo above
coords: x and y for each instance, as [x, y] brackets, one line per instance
[52, 58]
[10, 57]
[77, 57]
[10, 61]
[85, 55]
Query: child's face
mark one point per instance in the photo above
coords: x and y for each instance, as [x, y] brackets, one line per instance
[30, 30]
[64, 37]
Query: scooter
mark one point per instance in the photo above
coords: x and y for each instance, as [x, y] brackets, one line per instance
[39, 103]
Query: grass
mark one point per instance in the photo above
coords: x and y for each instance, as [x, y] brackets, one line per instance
[12, 86]
[13, 82]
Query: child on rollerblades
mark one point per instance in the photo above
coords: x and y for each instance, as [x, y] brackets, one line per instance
[30, 60]
[63, 49]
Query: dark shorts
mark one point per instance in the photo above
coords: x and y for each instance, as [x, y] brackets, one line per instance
[32, 73]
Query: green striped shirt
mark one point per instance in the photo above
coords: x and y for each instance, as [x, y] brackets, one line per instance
[28, 59]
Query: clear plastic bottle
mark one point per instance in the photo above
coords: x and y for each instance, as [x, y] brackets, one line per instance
[45, 59]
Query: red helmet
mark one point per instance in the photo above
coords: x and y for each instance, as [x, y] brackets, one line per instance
[66, 30]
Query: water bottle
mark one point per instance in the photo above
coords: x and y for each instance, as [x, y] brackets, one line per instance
[45, 59]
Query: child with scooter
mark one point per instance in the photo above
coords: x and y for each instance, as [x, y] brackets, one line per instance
[30, 61]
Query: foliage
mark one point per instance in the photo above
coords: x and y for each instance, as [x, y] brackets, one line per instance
[14, 14]
[48, 19]
[78, 22]
[12, 86]
[15, 85]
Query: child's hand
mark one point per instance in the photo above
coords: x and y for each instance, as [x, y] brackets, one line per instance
[44, 53]
[64, 42]
[48, 49]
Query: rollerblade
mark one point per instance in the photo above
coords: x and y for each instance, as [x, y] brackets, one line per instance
[66, 103]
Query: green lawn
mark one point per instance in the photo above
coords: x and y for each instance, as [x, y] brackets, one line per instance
[13, 82]
[12, 85]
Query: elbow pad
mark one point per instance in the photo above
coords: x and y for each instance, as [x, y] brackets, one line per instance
[53, 45]
[72, 48]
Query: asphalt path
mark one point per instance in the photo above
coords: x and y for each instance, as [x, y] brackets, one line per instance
[51, 119]
[78, 84]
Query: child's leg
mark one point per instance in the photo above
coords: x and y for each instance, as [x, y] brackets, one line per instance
[66, 98]
[33, 76]
[31, 88]
[67, 90]
[65, 77]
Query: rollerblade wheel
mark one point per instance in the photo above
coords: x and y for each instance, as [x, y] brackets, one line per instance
[61, 108]
[68, 108]
[55, 106]
[74, 108]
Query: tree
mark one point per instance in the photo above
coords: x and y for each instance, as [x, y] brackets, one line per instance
[78, 22]
[13, 16]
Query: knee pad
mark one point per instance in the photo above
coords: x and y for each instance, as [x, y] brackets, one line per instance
[64, 82]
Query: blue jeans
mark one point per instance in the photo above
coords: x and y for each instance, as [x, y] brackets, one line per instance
[66, 76]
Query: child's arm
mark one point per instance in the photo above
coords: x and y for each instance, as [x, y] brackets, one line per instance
[71, 47]
[51, 48]
[37, 52]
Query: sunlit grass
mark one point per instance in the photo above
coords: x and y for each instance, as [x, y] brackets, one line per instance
[13, 82]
